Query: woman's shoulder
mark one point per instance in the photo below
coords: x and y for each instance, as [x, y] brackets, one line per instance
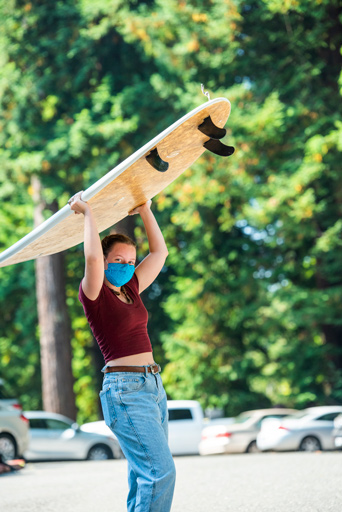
[88, 302]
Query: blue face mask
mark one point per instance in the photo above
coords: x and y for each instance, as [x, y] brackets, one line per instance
[119, 274]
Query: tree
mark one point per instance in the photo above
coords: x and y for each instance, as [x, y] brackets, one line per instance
[251, 291]
[67, 117]
[54, 323]
[256, 253]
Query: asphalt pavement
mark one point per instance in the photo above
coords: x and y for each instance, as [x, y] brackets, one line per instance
[266, 482]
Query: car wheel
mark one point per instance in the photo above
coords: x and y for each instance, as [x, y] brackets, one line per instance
[8, 447]
[310, 444]
[252, 448]
[100, 452]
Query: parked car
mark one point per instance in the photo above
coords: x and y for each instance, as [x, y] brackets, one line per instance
[219, 421]
[14, 432]
[309, 430]
[185, 426]
[54, 436]
[6, 397]
[337, 432]
[99, 427]
[240, 436]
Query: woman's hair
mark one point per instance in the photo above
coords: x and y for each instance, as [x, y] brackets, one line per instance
[110, 240]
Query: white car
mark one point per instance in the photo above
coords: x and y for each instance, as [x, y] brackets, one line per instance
[54, 436]
[240, 436]
[14, 432]
[185, 426]
[309, 430]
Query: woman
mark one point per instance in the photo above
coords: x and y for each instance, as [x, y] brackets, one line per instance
[133, 399]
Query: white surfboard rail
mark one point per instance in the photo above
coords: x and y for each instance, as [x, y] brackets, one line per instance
[91, 191]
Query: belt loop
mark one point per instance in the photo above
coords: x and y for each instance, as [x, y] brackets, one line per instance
[146, 370]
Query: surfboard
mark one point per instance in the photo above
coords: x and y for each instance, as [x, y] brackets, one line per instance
[131, 183]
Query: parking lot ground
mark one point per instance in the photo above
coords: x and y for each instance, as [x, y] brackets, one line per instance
[269, 482]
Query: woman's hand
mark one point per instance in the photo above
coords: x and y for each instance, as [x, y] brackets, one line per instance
[141, 208]
[77, 204]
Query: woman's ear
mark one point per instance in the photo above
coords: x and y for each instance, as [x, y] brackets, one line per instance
[105, 263]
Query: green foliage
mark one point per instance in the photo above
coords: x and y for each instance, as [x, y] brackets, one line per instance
[247, 312]
[19, 346]
[255, 242]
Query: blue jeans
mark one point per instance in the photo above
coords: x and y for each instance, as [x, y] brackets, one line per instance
[135, 409]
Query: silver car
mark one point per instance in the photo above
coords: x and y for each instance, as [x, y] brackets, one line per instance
[240, 436]
[309, 430]
[14, 432]
[337, 432]
[53, 436]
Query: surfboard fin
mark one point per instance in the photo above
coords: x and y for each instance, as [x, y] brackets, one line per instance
[210, 129]
[216, 147]
[157, 163]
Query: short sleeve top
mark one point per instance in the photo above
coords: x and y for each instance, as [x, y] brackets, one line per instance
[120, 329]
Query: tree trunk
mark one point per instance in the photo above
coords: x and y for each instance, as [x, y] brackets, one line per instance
[333, 337]
[54, 324]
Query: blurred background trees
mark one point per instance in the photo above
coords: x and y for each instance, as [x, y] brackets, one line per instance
[247, 312]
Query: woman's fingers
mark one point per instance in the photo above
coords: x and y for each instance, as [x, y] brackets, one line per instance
[141, 207]
[75, 197]
[77, 204]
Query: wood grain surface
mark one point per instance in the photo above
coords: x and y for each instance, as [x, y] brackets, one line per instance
[133, 187]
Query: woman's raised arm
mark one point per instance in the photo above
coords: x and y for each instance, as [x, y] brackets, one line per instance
[94, 260]
[150, 267]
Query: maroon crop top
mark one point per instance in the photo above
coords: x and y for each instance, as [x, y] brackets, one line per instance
[120, 329]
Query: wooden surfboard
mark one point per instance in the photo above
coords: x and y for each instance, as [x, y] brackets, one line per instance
[137, 179]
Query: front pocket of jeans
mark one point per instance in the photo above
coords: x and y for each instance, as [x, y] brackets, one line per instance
[108, 409]
[131, 384]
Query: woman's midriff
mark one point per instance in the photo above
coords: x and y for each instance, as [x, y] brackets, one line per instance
[143, 359]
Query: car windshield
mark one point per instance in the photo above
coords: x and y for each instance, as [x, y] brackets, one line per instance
[296, 416]
[242, 418]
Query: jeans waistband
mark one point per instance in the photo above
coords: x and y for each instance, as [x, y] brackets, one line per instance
[152, 368]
